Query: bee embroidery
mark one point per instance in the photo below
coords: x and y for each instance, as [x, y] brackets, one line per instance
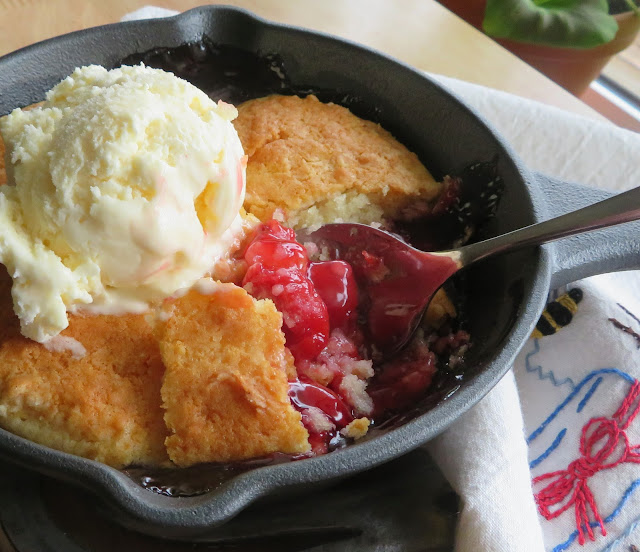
[558, 313]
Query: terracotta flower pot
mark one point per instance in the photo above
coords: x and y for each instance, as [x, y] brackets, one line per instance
[572, 68]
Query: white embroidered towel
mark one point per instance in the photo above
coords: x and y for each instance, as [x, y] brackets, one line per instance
[584, 371]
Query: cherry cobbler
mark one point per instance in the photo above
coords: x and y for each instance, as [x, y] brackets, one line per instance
[271, 353]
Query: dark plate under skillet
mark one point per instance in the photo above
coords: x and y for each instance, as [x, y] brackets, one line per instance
[504, 296]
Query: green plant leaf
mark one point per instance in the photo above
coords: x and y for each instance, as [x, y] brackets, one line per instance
[564, 23]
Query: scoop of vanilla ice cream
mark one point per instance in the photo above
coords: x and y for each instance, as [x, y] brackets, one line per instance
[124, 186]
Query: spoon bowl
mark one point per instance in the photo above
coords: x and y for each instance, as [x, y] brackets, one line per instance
[400, 280]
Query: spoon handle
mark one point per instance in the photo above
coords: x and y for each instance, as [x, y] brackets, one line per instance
[624, 207]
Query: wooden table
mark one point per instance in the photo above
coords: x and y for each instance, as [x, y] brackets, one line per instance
[419, 32]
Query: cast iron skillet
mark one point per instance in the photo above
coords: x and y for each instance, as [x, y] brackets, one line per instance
[505, 295]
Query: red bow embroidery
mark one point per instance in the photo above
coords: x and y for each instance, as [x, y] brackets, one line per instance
[603, 445]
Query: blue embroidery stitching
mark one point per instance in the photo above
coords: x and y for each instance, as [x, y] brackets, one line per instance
[589, 393]
[626, 534]
[538, 369]
[573, 393]
[547, 452]
[629, 313]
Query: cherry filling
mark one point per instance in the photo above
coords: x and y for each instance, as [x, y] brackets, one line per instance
[314, 298]
[312, 399]
[278, 271]
[404, 379]
[336, 284]
[320, 303]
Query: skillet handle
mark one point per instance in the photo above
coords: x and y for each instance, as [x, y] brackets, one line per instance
[609, 250]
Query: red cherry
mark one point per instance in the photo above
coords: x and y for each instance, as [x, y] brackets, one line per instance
[277, 271]
[277, 253]
[304, 393]
[275, 230]
[403, 380]
[335, 283]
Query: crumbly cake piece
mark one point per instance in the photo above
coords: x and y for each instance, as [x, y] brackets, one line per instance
[440, 310]
[225, 390]
[318, 163]
[357, 429]
[102, 404]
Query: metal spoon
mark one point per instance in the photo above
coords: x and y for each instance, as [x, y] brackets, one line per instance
[401, 280]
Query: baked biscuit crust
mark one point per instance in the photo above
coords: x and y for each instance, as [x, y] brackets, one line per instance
[303, 152]
[225, 389]
[104, 405]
